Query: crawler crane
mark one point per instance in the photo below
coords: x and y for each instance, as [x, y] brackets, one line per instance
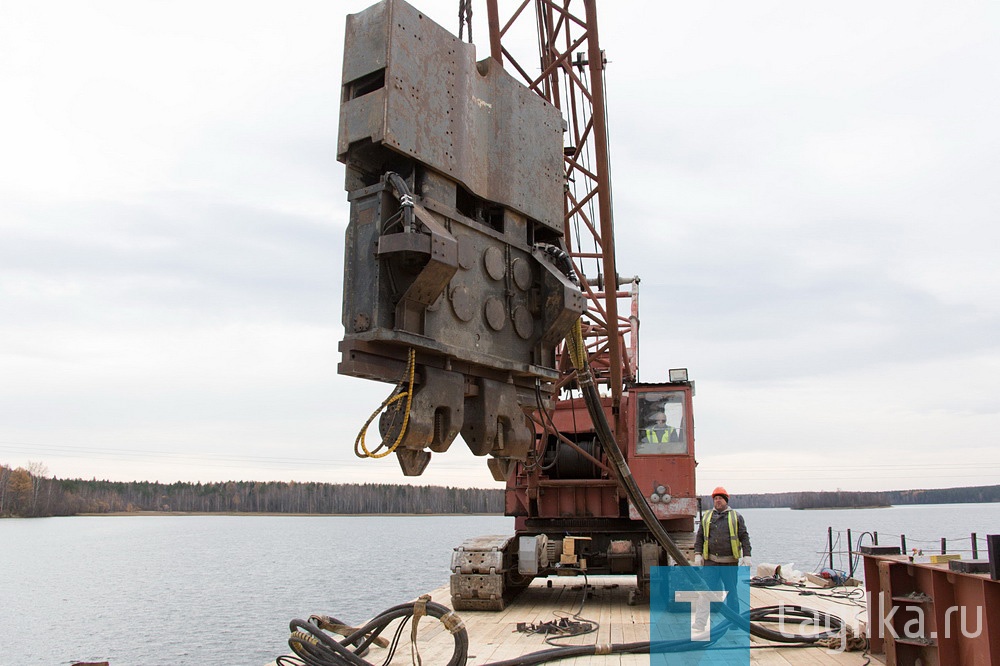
[480, 277]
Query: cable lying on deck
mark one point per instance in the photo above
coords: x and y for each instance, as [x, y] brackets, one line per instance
[315, 647]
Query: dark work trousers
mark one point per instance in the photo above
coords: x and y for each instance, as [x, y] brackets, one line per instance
[729, 580]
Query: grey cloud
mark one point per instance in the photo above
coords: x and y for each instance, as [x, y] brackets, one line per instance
[176, 251]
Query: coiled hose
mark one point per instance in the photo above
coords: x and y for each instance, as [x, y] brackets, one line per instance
[317, 648]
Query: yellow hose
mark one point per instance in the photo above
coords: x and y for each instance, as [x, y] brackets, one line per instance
[396, 395]
[575, 347]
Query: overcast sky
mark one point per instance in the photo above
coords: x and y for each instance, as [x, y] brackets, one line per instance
[807, 190]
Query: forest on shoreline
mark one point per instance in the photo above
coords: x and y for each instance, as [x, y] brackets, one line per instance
[30, 492]
[845, 499]
[27, 494]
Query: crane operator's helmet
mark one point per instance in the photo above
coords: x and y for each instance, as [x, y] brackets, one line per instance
[721, 491]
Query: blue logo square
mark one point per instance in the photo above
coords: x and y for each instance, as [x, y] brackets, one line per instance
[694, 616]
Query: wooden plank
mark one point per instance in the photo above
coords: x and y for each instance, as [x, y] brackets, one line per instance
[492, 633]
[576, 601]
[492, 636]
[768, 657]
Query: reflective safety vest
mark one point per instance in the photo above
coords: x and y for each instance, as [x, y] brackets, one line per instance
[659, 436]
[734, 536]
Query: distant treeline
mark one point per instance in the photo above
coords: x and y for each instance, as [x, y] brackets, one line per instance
[814, 500]
[23, 493]
[840, 499]
[31, 492]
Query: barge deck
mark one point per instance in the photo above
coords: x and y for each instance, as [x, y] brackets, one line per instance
[493, 636]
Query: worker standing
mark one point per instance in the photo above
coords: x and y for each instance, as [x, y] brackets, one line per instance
[722, 540]
[722, 535]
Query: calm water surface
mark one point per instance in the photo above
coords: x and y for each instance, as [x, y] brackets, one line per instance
[220, 590]
[206, 589]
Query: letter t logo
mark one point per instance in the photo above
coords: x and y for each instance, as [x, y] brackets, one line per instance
[701, 619]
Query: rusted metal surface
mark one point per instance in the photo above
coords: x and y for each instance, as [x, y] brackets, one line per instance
[925, 613]
[570, 481]
[678, 507]
[413, 88]
[474, 192]
[483, 573]
[567, 70]
[675, 472]
[455, 178]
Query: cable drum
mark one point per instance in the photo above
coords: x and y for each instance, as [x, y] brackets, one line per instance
[562, 461]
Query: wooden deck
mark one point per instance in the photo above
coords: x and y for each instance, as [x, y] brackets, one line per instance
[493, 636]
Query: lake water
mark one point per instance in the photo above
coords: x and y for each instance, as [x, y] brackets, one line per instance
[220, 590]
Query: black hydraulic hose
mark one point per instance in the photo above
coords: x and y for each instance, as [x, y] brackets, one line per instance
[316, 648]
[568, 652]
[625, 479]
[561, 260]
[618, 464]
[404, 195]
[763, 614]
[782, 614]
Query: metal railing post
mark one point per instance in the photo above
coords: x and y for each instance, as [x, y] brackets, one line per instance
[850, 555]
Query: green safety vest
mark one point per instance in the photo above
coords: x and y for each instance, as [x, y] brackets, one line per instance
[734, 537]
[664, 436]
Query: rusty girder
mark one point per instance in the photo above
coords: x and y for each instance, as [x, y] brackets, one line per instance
[566, 67]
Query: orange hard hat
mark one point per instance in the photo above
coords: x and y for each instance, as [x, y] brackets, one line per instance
[720, 491]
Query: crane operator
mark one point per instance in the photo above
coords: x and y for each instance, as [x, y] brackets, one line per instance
[657, 431]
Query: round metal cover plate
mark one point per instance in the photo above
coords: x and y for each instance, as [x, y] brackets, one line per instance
[522, 274]
[523, 323]
[493, 260]
[494, 313]
[461, 303]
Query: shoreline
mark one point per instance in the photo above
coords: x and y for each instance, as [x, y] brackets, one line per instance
[118, 514]
[838, 508]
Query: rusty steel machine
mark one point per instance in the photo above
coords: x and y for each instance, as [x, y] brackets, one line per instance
[480, 278]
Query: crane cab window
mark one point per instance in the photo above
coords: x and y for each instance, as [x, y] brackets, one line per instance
[660, 427]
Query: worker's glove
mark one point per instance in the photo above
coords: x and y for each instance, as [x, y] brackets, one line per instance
[699, 560]
[745, 562]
